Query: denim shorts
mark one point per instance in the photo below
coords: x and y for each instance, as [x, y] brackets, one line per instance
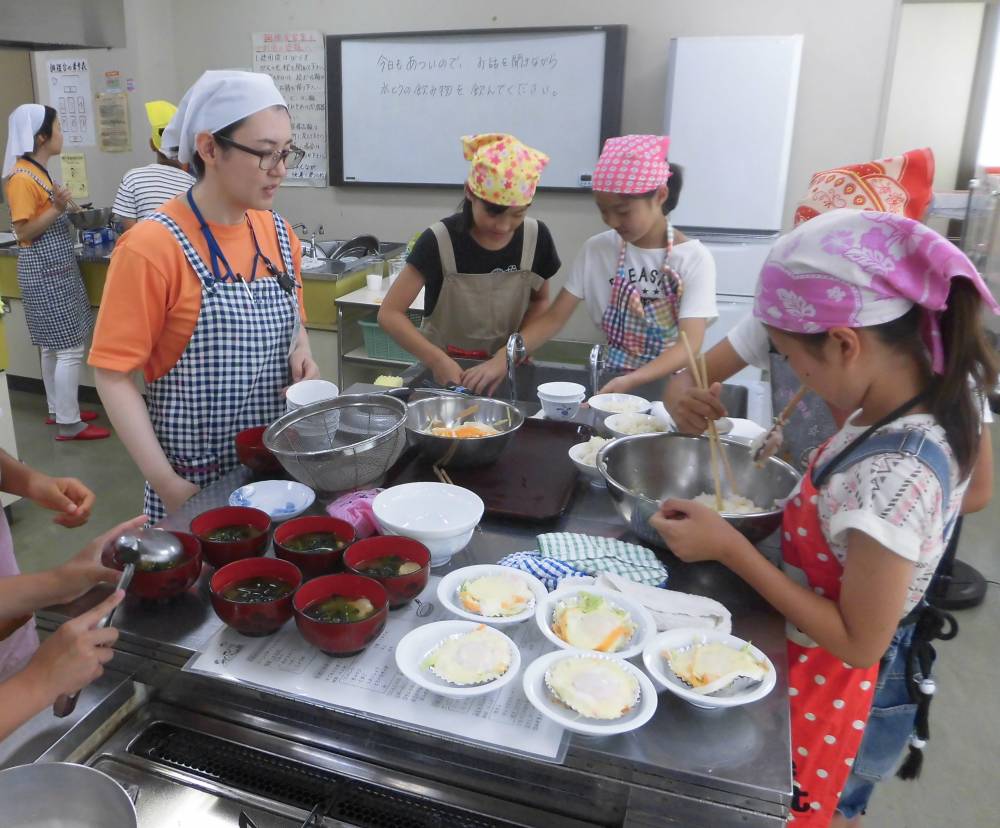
[889, 726]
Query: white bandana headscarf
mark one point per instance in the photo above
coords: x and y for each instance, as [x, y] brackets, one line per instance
[22, 125]
[218, 98]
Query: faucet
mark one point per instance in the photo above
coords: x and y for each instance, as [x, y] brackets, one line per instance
[597, 362]
[312, 237]
[516, 353]
[367, 244]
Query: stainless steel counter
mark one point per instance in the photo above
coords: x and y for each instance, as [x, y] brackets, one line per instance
[687, 766]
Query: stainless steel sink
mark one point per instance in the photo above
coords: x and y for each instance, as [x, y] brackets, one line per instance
[530, 376]
[327, 246]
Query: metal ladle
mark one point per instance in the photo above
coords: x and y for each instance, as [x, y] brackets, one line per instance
[147, 547]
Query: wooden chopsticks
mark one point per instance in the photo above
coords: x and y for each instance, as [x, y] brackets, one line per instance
[715, 444]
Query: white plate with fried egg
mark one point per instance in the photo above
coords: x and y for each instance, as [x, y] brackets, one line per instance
[590, 693]
[491, 594]
[458, 659]
[595, 619]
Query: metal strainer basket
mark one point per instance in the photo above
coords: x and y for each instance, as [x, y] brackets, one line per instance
[340, 444]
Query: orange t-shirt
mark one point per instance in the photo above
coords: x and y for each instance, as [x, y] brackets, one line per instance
[25, 198]
[152, 297]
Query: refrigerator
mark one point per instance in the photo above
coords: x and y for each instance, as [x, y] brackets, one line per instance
[730, 113]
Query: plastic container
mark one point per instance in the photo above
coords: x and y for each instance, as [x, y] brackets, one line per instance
[379, 345]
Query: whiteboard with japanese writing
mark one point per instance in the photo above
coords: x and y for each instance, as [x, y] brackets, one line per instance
[297, 63]
[400, 103]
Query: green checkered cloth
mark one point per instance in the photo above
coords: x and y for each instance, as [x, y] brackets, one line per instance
[594, 554]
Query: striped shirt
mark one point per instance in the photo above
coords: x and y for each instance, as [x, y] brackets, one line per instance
[144, 189]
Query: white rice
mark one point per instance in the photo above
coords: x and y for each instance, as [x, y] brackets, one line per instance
[732, 505]
[588, 454]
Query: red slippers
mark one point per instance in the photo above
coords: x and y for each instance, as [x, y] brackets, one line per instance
[91, 432]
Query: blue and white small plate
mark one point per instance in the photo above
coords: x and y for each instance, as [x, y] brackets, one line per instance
[281, 499]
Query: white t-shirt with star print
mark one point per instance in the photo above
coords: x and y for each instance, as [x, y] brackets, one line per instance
[895, 499]
[593, 273]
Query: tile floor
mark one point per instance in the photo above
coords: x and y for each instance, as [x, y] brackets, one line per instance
[959, 787]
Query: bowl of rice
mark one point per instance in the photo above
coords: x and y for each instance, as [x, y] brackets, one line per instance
[629, 425]
[584, 457]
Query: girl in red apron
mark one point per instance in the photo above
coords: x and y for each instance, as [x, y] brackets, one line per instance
[642, 281]
[878, 313]
[483, 270]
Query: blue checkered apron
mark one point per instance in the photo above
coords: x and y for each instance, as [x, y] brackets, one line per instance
[638, 328]
[56, 306]
[231, 374]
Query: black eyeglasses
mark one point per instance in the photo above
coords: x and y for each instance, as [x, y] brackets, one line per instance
[291, 157]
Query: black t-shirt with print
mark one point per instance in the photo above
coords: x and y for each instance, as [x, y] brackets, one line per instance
[471, 257]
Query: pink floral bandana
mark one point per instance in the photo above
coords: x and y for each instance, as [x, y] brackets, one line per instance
[854, 269]
[632, 164]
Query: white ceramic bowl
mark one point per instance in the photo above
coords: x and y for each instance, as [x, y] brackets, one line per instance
[441, 517]
[560, 409]
[608, 404]
[590, 472]
[660, 670]
[645, 626]
[281, 499]
[309, 391]
[414, 647]
[627, 425]
[545, 703]
[561, 391]
[449, 585]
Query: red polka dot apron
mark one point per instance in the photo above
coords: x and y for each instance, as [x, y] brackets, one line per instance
[829, 701]
[638, 327]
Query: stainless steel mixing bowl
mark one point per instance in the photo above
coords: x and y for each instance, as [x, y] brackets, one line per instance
[644, 470]
[91, 219]
[454, 453]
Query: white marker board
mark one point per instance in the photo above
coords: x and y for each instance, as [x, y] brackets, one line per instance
[730, 112]
[399, 103]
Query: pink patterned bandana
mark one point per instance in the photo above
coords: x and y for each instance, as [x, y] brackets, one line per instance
[855, 269]
[632, 164]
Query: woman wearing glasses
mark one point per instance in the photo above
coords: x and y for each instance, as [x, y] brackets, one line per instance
[203, 297]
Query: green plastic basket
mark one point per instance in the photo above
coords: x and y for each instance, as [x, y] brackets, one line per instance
[379, 345]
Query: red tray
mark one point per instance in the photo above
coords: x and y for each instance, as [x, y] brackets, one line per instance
[533, 479]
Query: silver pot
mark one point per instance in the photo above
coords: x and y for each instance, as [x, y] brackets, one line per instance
[454, 453]
[92, 219]
[642, 471]
[63, 795]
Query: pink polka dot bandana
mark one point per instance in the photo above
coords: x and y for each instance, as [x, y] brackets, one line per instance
[854, 269]
[632, 164]
[504, 171]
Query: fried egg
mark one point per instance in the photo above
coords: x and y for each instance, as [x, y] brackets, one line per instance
[708, 668]
[597, 688]
[589, 622]
[474, 657]
[496, 596]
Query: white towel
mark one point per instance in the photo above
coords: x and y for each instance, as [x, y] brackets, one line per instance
[670, 608]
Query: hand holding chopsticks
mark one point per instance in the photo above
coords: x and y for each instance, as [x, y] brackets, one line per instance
[715, 444]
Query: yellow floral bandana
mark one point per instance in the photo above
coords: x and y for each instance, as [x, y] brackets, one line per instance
[504, 171]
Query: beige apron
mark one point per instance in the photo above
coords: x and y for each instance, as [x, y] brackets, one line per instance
[477, 312]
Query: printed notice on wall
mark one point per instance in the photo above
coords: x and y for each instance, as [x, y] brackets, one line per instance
[74, 174]
[297, 62]
[114, 133]
[69, 93]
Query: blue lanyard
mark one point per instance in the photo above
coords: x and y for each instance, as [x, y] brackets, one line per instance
[215, 252]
